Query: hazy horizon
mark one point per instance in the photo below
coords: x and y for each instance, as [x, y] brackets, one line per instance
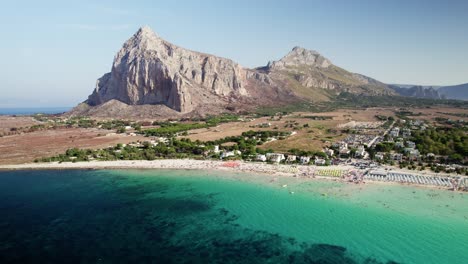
[53, 52]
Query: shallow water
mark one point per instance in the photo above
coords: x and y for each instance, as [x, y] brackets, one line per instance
[164, 216]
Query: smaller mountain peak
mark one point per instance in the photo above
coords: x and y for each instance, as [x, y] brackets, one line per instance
[299, 56]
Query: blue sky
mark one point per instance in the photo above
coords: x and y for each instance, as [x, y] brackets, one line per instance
[53, 51]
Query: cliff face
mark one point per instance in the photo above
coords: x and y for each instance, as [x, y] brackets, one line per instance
[151, 71]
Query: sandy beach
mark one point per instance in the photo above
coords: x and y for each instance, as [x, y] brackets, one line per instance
[286, 170]
[190, 164]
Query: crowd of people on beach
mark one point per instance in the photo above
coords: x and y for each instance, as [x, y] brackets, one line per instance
[343, 173]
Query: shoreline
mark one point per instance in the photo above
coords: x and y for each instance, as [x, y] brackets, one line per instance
[183, 164]
[281, 170]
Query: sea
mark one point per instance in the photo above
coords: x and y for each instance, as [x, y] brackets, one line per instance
[32, 111]
[191, 216]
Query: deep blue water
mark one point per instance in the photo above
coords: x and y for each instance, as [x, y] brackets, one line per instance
[35, 110]
[161, 216]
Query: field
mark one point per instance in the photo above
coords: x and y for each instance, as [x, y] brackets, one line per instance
[430, 114]
[8, 122]
[317, 133]
[312, 134]
[313, 131]
[26, 147]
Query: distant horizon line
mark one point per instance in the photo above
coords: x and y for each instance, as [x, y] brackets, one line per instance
[36, 107]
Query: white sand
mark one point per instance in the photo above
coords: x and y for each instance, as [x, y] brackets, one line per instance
[247, 167]
[256, 167]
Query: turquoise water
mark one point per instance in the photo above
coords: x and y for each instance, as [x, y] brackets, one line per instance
[162, 216]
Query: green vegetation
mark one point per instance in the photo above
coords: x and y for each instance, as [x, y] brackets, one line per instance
[299, 152]
[286, 109]
[318, 117]
[454, 114]
[385, 146]
[381, 117]
[83, 122]
[351, 100]
[450, 122]
[451, 142]
[405, 113]
[169, 129]
[248, 141]
[174, 148]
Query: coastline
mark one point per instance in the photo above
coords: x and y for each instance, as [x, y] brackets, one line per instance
[183, 164]
[303, 171]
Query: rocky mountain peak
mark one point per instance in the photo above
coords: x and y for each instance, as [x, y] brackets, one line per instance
[143, 40]
[145, 30]
[299, 56]
[151, 70]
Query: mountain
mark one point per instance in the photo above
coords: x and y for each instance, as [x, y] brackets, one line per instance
[417, 91]
[153, 77]
[412, 85]
[459, 92]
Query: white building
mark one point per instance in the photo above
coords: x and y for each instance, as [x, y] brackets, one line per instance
[344, 152]
[410, 144]
[320, 162]
[162, 139]
[413, 154]
[275, 157]
[361, 152]
[291, 158]
[406, 132]
[399, 144]
[261, 157]
[304, 159]
[227, 154]
[264, 125]
[341, 145]
[329, 152]
[216, 149]
[379, 156]
[397, 156]
[395, 132]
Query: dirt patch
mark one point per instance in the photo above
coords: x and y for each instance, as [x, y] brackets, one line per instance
[29, 146]
[8, 122]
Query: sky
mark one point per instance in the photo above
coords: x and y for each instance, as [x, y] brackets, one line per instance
[52, 52]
